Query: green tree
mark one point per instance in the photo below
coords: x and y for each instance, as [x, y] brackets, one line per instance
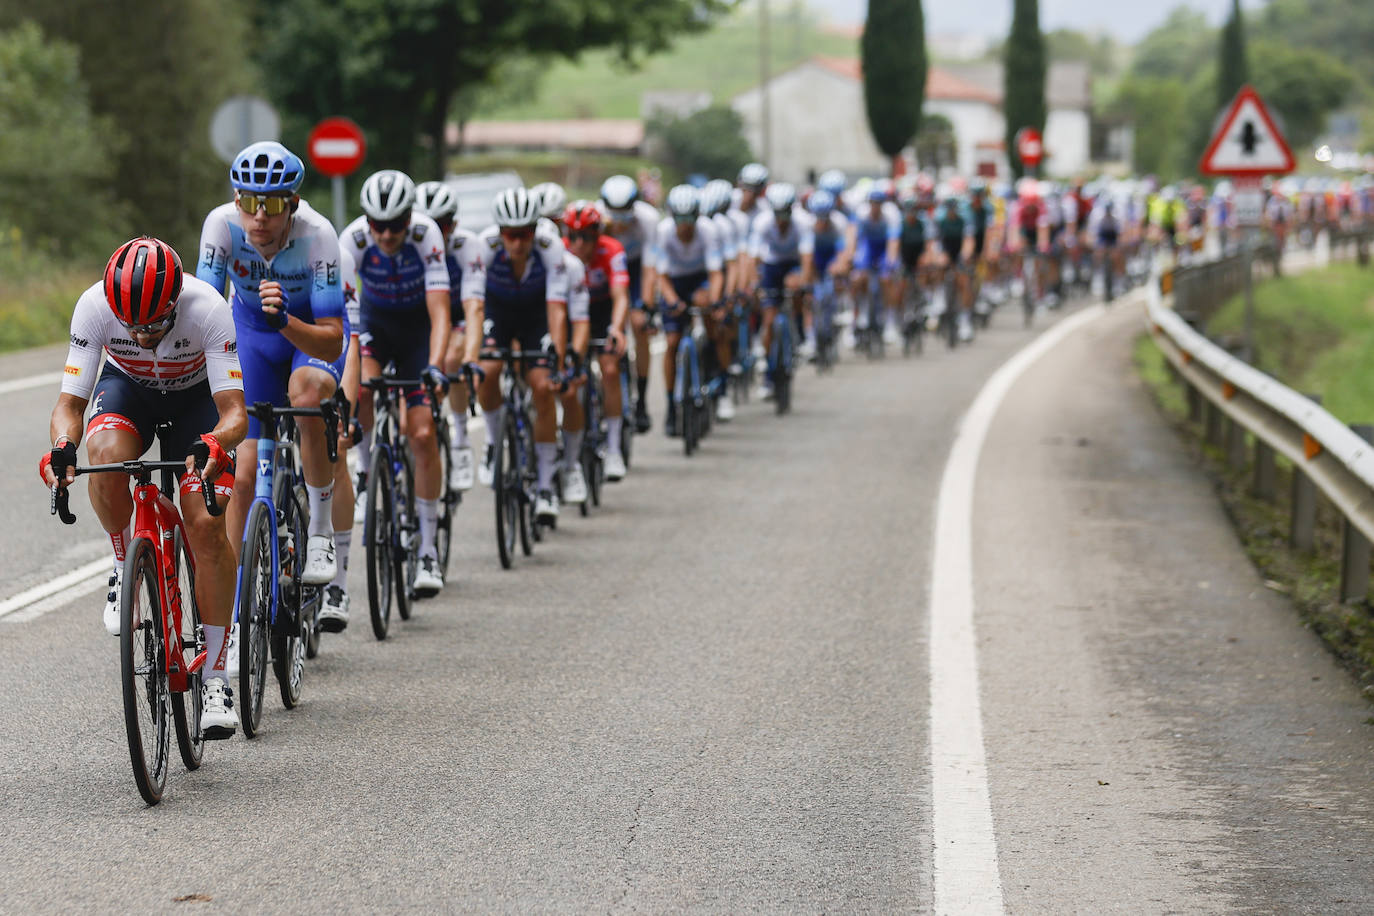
[708, 142]
[1343, 29]
[1023, 75]
[1153, 105]
[1178, 48]
[894, 67]
[156, 70]
[1303, 86]
[55, 171]
[1233, 71]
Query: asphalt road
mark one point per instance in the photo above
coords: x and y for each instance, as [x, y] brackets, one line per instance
[713, 695]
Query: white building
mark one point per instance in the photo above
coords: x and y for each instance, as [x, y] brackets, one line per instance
[819, 121]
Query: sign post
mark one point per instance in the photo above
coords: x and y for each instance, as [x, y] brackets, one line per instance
[337, 147]
[1247, 145]
[1030, 149]
[240, 121]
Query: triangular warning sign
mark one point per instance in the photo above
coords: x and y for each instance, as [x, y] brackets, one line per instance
[1248, 142]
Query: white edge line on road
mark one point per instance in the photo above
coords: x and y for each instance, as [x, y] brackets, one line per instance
[32, 381]
[966, 875]
[78, 581]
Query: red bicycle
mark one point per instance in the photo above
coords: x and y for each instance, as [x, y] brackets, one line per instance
[161, 641]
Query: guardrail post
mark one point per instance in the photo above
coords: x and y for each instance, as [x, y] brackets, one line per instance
[1300, 533]
[1266, 471]
[1194, 403]
[1354, 545]
[1212, 433]
[1235, 445]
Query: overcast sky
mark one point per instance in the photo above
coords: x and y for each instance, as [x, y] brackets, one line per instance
[1128, 21]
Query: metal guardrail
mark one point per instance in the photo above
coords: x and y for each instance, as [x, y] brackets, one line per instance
[1237, 401]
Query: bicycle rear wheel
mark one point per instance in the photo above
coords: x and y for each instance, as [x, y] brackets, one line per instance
[406, 558]
[290, 635]
[506, 485]
[190, 738]
[143, 672]
[530, 531]
[256, 575]
[380, 537]
[448, 497]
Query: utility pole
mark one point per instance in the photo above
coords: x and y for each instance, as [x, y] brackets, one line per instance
[764, 75]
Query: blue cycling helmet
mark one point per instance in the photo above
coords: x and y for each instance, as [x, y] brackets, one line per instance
[877, 194]
[267, 167]
[821, 204]
[832, 180]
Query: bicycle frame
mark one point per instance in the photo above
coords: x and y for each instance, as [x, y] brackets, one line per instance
[157, 519]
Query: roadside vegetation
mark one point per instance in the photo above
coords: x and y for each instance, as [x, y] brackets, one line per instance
[1315, 332]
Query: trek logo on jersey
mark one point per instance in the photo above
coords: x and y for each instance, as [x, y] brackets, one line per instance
[74, 371]
[231, 346]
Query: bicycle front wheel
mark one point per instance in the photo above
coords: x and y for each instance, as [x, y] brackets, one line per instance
[379, 538]
[506, 488]
[190, 738]
[291, 634]
[448, 497]
[406, 554]
[143, 671]
[256, 575]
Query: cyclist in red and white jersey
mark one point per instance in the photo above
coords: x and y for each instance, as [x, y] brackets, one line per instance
[172, 356]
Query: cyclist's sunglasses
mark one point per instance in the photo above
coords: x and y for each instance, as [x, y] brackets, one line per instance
[511, 233]
[399, 224]
[152, 327]
[684, 218]
[272, 205]
[584, 235]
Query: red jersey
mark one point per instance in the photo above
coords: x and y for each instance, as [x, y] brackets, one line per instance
[607, 269]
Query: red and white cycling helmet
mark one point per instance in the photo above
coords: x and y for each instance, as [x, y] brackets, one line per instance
[143, 281]
[582, 215]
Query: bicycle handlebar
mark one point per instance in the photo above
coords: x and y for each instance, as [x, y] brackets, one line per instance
[329, 411]
[141, 470]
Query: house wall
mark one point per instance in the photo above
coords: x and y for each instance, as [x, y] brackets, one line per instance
[973, 122]
[1067, 141]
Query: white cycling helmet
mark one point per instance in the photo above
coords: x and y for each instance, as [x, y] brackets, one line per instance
[832, 180]
[753, 175]
[436, 200]
[553, 200]
[715, 196]
[781, 197]
[683, 200]
[516, 207]
[619, 192]
[387, 194]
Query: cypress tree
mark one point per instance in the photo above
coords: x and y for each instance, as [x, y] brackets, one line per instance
[1023, 75]
[1233, 71]
[894, 67]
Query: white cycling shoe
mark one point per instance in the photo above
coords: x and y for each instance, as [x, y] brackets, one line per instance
[427, 581]
[614, 464]
[112, 602]
[334, 611]
[891, 336]
[485, 474]
[574, 485]
[218, 720]
[461, 463]
[546, 506]
[725, 409]
[320, 567]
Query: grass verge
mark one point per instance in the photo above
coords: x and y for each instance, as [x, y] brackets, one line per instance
[36, 298]
[1311, 580]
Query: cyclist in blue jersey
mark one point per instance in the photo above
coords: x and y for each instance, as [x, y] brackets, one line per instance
[281, 260]
[954, 230]
[403, 297]
[437, 201]
[780, 248]
[830, 256]
[877, 236]
[518, 273]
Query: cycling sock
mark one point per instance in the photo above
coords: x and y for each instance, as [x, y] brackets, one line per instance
[546, 454]
[642, 382]
[342, 541]
[321, 506]
[572, 447]
[364, 448]
[493, 419]
[215, 654]
[120, 541]
[613, 426]
[428, 511]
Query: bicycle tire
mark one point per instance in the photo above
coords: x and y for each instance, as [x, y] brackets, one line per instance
[143, 671]
[627, 437]
[448, 497]
[406, 559]
[190, 737]
[528, 477]
[380, 540]
[289, 634]
[505, 485]
[312, 628]
[254, 609]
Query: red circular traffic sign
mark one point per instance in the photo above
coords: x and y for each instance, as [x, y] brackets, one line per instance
[1029, 146]
[336, 147]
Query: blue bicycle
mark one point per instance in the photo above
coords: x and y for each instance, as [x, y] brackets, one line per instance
[782, 351]
[275, 610]
[827, 340]
[742, 369]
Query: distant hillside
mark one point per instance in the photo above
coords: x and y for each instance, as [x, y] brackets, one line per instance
[723, 61]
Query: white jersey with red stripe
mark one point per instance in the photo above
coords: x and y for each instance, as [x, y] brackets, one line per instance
[200, 345]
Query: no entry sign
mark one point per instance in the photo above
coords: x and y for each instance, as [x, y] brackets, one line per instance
[337, 147]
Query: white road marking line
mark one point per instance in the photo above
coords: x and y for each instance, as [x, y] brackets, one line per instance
[965, 862]
[32, 381]
[78, 582]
